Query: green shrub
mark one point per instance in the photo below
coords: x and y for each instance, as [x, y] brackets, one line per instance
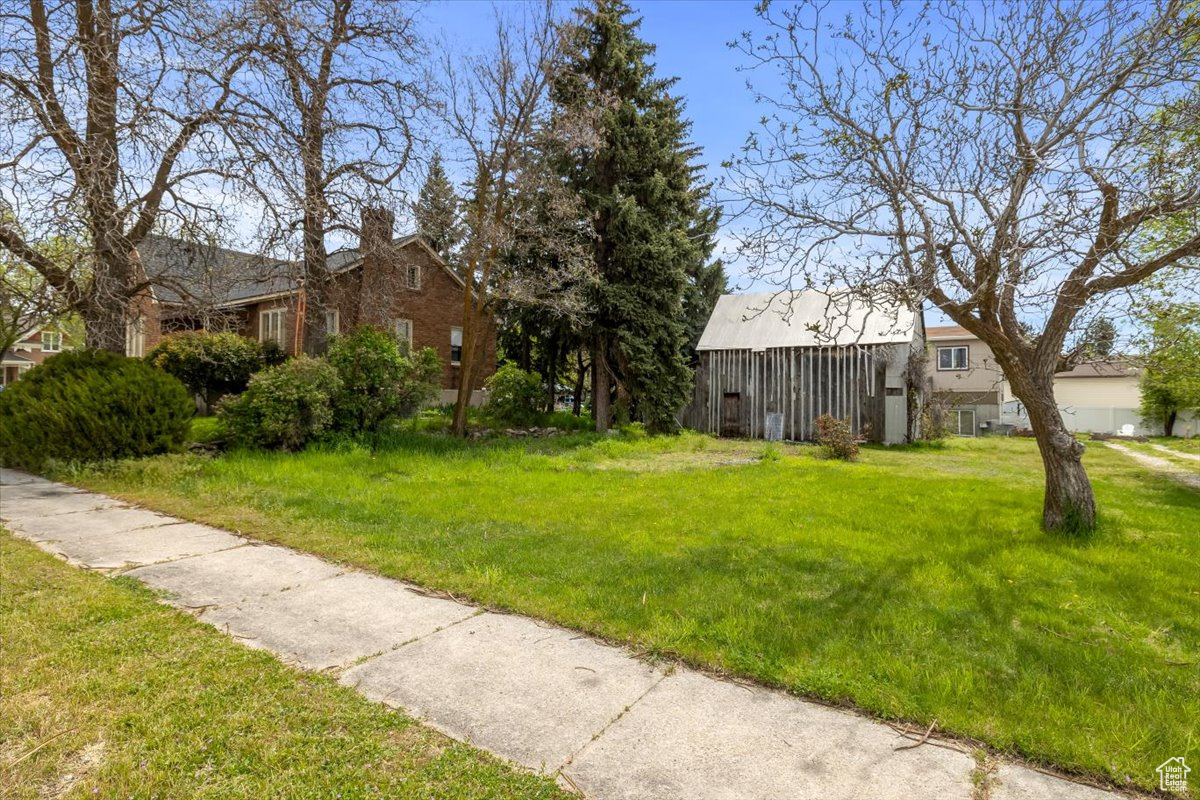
[273, 353]
[380, 379]
[88, 405]
[836, 438]
[515, 396]
[211, 365]
[285, 406]
[207, 430]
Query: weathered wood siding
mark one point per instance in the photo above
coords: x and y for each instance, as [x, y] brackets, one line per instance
[799, 383]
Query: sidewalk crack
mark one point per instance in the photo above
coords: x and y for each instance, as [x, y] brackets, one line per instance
[667, 673]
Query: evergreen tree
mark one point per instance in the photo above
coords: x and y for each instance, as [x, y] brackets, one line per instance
[639, 186]
[437, 210]
[706, 282]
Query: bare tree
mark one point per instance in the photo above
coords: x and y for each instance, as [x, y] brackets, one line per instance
[988, 157]
[105, 110]
[524, 234]
[329, 103]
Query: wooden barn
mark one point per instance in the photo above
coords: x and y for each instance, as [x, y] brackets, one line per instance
[771, 363]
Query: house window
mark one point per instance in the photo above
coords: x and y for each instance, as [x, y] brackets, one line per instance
[404, 330]
[414, 276]
[950, 358]
[456, 345]
[333, 322]
[135, 337]
[270, 326]
[961, 422]
[51, 341]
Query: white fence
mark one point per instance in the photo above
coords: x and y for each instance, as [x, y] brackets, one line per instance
[1104, 420]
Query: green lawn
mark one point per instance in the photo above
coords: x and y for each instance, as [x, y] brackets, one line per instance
[1182, 445]
[106, 693]
[915, 584]
[1174, 455]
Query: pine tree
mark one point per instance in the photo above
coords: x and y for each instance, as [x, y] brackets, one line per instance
[640, 188]
[437, 210]
[706, 282]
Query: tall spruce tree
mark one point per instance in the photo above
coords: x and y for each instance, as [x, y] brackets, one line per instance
[637, 180]
[438, 210]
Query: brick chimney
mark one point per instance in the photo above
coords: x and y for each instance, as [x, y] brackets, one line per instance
[375, 245]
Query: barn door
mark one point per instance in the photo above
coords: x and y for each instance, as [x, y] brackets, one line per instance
[731, 414]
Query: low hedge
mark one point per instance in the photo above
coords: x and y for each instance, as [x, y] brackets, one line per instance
[91, 405]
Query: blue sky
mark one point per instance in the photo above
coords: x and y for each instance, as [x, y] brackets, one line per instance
[691, 37]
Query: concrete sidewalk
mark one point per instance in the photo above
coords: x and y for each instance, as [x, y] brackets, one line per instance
[605, 723]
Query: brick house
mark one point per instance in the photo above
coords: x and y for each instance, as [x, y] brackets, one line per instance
[32, 348]
[399, 284]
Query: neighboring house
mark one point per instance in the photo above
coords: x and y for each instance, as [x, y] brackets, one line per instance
[1096, 397]
[34, 347]
[964, 376]
[771, 363]
[1101, 397]
[398, 284]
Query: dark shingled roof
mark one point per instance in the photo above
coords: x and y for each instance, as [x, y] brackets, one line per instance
[9, 357]
[187, 272]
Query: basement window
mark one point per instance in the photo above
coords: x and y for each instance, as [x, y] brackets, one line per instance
[952, 358]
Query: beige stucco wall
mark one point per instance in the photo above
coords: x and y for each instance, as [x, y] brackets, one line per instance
[982, 374]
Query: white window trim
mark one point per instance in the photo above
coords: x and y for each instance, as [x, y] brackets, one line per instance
[966, 358]
[336, 316]
[54, 336]
[265, 324]
[409, 271]
[958, 412]
[454, 328]
[135, 337]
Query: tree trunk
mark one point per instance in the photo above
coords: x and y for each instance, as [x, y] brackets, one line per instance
[552, 375]
[601, 390]
[316, 278]
[476, 331]
[466, 377]
[580, 378]
[1069, 505]
[1169, 424]
[106, 313]
[104, 328]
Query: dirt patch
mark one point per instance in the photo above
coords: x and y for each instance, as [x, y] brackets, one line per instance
[1176, 453]
[414, 746]
[737, 455]
[1161, 466]
[75, 769]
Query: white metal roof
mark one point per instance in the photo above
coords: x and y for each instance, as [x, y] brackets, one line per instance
[803, 319]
